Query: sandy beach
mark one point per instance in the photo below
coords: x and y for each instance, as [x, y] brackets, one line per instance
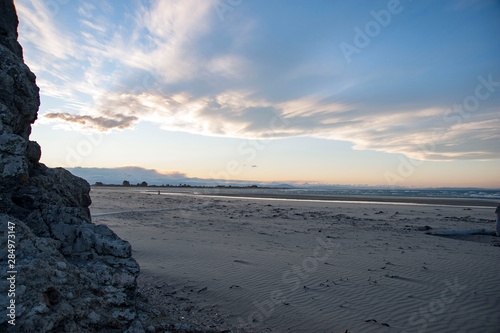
[265, 265]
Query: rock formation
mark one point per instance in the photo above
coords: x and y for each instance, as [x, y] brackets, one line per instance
[70, 274]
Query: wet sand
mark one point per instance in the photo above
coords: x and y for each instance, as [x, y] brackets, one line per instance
[464, 202]
[254, 265]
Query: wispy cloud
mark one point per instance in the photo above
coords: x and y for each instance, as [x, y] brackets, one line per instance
[174, 28]
[39, 29]
[176, 64]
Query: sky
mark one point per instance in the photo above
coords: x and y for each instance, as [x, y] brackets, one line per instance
[378, 93]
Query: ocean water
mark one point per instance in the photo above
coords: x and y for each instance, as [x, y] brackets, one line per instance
[417, 193]
[423, 193]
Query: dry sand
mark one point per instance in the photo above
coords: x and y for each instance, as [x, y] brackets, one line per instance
[250, 265]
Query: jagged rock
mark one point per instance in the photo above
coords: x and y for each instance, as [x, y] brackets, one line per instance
[59, 294]
[8, 29]
[19, 101]
[73, 275]
[33, 152]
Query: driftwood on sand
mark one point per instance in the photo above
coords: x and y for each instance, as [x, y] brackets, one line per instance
[462, 232]
[483, 231]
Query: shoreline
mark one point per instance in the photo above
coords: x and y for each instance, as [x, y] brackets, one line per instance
[458, 202]
[360, 199]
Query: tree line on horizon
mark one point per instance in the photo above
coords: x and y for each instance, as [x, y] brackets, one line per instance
[126, 183]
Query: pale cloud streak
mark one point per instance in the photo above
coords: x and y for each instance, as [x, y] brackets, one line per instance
[101, 123]
[40, 30]
[170, 50]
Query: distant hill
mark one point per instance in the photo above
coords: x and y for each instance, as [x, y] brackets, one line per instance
[136, 175]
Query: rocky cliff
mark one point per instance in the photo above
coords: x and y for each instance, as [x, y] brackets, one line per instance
[65, 273]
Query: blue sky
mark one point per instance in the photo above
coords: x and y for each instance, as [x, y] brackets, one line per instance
[402, 93]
